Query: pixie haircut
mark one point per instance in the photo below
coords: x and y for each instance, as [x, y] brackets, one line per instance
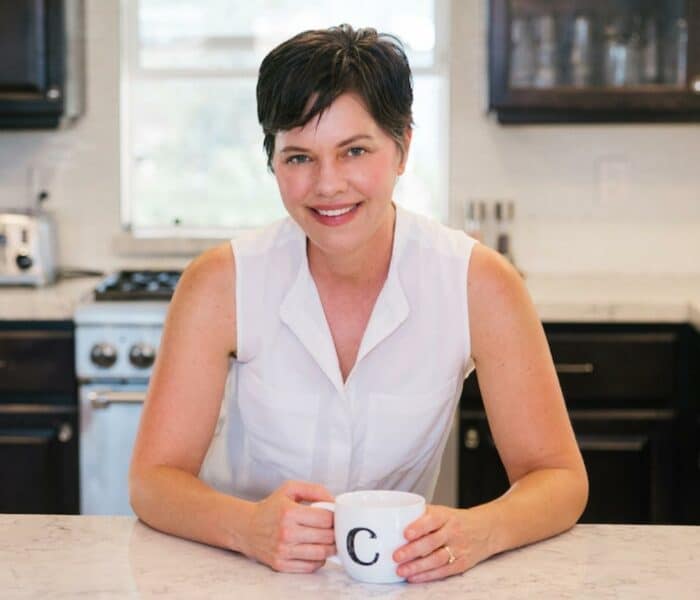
[323, 64]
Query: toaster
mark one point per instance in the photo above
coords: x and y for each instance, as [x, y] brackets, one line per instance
[27, 249]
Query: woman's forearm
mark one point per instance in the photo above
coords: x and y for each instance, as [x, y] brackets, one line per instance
[541, 504]
[177, 502]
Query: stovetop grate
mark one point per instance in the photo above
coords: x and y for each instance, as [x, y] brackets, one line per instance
[138, 285]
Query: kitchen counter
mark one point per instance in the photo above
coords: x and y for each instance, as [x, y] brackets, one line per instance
[558, 298]
[120, 557]
[55, 302]
[616, 299]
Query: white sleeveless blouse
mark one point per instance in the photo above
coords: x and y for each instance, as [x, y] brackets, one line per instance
[287, 414]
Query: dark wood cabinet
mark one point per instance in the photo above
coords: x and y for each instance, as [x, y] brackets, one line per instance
[629, 459]
[590, 61]
[38, 460]
[39, 428]
[41, 70]
[628, 398]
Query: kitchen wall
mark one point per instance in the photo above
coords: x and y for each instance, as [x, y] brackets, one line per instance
[612, 198]
[621, 199]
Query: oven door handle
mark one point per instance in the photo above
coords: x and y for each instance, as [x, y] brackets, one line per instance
[104, 399]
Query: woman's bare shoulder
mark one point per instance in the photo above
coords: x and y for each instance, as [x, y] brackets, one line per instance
[205, 297]
[491, 276]
[498, 300]
[210, 271]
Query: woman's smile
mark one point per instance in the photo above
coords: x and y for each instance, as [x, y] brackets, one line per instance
[335, 215]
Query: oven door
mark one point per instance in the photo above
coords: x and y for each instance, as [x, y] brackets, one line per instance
[109, 418]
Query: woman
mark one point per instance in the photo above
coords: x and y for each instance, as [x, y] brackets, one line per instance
[339, 339]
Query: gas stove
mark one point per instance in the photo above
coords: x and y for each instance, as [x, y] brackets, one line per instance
[117, 334]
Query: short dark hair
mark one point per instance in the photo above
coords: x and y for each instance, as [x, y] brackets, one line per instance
[326, 63]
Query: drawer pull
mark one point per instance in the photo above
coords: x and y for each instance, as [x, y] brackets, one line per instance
[104, 399]
[471, 439]
[619, 444]
[65, 433]
[574, 368]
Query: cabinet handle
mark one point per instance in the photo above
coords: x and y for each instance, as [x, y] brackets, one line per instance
[574, 368]
[634, 444]
[65, 433]
[104, 399]
[471, 439]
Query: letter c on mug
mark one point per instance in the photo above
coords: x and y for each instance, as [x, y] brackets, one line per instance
[350, 541]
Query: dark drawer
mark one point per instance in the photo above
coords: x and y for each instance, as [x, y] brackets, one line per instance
[36, 361]
[639, 366]
[599, 367]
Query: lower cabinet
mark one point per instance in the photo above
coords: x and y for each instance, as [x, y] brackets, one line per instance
[630, 402]
[38, 418]
[39, 461]
[628, 459]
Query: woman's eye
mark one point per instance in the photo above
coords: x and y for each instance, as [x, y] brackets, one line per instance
[297, 159]
[356, 151]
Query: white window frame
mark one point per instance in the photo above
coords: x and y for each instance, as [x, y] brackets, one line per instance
[184, 241]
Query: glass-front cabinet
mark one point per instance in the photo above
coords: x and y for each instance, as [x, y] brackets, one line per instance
[594, 60]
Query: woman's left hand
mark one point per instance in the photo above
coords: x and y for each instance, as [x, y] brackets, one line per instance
[435, 538]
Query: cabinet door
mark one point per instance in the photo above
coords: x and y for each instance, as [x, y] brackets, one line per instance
[481, 473]
[33, 62]
[37, 361]
[23, 47]
[585, 60]
[38, 467]
[629, 459]
[628, 463]
[619, 468]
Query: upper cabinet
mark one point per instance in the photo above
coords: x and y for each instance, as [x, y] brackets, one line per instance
[41, 68]
[593, 61]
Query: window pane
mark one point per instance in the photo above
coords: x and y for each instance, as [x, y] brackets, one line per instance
[423, 187]
[195, 163]
[221, 34]
[198, 161]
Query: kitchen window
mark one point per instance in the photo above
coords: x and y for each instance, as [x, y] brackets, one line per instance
[192, 158]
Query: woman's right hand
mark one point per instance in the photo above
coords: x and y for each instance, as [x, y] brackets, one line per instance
[289, 536]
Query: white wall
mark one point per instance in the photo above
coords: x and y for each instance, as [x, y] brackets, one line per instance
[551, 172]
[566, 222]
[79, 165]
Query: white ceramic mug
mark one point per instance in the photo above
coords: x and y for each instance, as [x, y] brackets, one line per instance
[369, 528]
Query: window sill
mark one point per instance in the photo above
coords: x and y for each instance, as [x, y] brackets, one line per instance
[126, 244]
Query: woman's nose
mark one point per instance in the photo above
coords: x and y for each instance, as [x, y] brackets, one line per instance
[330, 179]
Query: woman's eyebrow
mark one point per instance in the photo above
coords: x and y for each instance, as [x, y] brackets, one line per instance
[350, 140]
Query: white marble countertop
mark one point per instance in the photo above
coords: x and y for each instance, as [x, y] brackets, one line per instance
[616, 298]
[558, 298]
[119, 557]
[55, 302]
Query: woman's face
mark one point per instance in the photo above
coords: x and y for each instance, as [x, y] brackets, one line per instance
[337, 174]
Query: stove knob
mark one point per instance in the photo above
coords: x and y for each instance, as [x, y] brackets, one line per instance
[103, 355]
[142, 355]
[24, 261]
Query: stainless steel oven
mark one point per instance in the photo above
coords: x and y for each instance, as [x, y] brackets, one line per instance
[116, 343]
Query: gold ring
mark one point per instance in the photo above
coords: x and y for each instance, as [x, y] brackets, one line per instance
[452, 556]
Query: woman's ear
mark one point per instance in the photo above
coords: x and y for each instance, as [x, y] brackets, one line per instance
[406, 144]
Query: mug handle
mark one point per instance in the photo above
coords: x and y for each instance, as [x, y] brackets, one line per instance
[328, 506]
